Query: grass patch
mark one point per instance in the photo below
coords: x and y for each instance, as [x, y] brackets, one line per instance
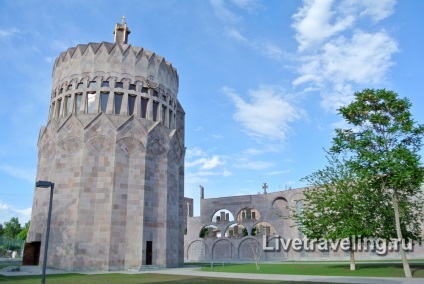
[127, 279]
[324, 269]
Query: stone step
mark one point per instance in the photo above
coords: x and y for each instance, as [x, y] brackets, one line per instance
[147, 268]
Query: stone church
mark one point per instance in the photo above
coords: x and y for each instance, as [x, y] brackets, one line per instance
[113, 145]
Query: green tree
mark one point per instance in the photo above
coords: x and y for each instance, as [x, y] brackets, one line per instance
[1, 230]
[383, 143]
[24, 232]
[203, 232]
[337, 205]
[12, 228]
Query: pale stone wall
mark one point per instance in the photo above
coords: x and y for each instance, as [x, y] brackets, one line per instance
[270, 211]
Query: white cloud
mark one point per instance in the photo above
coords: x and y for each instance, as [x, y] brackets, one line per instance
[201, 177]
[195, 152]
[340, 95]
[272, 51]
[255, 165]
[222, 12]
[318, 20]
[25, 174]
[315, 21]
[364, 59]
[375, 10]
[265, 47]
[9, 32]
[274, 173]
[7, 212]
[233, 33]
[217, 136]
[267, 115]
[206, 163]
[249, 5]
[253, 151]
[343, 57]
[211, 163]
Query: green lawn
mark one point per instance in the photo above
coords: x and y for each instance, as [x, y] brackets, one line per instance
[294, 268]
[127, 279]
[326, 269]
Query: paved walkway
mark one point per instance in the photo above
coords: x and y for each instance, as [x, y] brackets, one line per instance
[195, 271]
[326, 279]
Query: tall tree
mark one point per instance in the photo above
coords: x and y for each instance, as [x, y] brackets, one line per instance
[338, 205]
[384, 142]
[12, 228]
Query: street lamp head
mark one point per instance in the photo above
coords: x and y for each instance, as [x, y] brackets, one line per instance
[43, 183]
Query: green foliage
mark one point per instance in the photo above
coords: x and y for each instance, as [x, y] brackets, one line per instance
[384, 143]
[203, 232]
[244, 232]
[372, 185]
[338, 204]
[24, 232]
[12, 228]
[253, 231]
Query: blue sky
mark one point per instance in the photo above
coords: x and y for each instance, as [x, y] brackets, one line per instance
[260, 81]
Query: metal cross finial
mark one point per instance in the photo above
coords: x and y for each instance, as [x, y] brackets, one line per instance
[123, 19]
[265, 187]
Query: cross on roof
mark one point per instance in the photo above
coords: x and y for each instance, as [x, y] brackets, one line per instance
[265, 187]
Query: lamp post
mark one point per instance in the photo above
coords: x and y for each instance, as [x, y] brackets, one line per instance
[42, 183]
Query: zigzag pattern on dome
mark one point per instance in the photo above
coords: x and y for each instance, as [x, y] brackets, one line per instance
[137, 58]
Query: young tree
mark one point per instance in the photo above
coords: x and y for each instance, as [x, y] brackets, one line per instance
[12, 228]
[384, 142]
[338, 205]
[24, 232]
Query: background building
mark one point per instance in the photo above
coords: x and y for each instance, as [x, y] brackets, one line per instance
[232, 228]
[114, 147]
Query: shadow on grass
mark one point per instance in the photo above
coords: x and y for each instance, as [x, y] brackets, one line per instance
[417, 269]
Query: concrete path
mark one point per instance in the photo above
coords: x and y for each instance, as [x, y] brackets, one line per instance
[323, 279]
[195, 271]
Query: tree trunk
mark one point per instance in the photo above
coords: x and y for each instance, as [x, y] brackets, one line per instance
[399, 235]
[352, 257]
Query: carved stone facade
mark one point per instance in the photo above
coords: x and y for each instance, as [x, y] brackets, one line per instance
[114, 148]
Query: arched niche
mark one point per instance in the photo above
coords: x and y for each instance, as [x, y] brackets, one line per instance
[263, 228]
[280, 207]
[236, 230]
[299, 206]
[222, 250]
[250, 248]
[222, 215]
[210, 231]
[248, 214]
[198, 251]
